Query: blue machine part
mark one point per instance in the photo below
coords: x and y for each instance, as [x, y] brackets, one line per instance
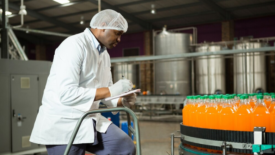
[124, 127]
[114, 118]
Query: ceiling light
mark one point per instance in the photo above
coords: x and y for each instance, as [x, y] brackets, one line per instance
[7, 12]
[82, 20]
[62, 1]
[153, 11]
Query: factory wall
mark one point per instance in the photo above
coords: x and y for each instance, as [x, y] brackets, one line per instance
[131, 40]
[256, 27]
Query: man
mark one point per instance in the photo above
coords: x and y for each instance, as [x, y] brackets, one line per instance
[79, 79]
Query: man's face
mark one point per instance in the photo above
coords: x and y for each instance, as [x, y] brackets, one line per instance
[110, 38]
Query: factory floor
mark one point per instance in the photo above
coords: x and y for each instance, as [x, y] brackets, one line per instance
[155, 137]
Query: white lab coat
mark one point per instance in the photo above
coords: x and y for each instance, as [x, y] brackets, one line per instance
[77, 71]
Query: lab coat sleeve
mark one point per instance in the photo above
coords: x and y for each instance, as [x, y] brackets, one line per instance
[111, 103]
[68, 58]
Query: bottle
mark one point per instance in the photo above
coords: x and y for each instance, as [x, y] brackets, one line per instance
[211, 114]
[243, 115]
[271, 109]
[251, 100]
[186, 109]
[192, 112]
[233, 101]
[261, 116]
[219, 102]
[272, 105]
[201, 110]
[226, 114]
[267, 99]
[238, 98]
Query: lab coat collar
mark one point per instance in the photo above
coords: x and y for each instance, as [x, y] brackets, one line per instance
[94, 41]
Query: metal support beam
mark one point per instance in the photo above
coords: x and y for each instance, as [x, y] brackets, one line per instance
[4, 31]
[145, 25]
[45, 18]
[222, 12]
[170, 8]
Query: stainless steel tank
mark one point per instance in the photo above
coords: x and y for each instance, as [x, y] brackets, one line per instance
[172, 77]
[210, 71]
[249, 69]
[129, 71]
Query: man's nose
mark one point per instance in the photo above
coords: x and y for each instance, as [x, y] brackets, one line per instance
[119, 39]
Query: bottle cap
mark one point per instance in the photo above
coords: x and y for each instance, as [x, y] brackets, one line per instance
[196, 97]
[202, 97]
[244, 97]
[260, 97]
[189, 97]
[211, 97]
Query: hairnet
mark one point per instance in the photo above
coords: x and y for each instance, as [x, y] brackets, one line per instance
[109, 19]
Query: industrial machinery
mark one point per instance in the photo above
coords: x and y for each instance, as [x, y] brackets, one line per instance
[22, 84]
[172, 77]
[210, 71]
[129, 71]
[249, 68]
[208, 141]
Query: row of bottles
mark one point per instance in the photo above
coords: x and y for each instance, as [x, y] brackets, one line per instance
[240, 112]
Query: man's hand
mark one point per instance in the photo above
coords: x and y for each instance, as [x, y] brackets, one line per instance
[129, 100]
[120, 87]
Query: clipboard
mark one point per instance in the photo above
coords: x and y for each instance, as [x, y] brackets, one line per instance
[121, 95]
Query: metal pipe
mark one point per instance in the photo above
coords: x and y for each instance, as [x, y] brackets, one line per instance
[99, 5]
[22, 15]
[4, 31]
[235, 41]
[41, 32]
[245, 70]
[172, 143]
[138, 149]
[129, 125]
[254, 73]
[17, 44]
[188, 55]
[223, 148]
[193, 77]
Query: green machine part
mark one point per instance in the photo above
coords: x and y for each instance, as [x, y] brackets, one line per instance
[263, 148]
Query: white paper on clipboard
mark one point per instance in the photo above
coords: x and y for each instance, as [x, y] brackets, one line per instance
[121, 95]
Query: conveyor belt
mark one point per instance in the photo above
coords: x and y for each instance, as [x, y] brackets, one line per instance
[239, 141]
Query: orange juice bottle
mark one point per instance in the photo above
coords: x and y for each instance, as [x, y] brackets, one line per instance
[226, 114]
[234, 101]
[243, 115]
[261, 116]
[185, 110]
[251, 100]
[238, 98]
[211, 114]
[272, 105]
[219, 102]
[272, 110]
[267, 99]
[193, 111]
[200, 112]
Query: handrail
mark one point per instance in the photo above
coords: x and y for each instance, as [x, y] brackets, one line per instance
[127, 110]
